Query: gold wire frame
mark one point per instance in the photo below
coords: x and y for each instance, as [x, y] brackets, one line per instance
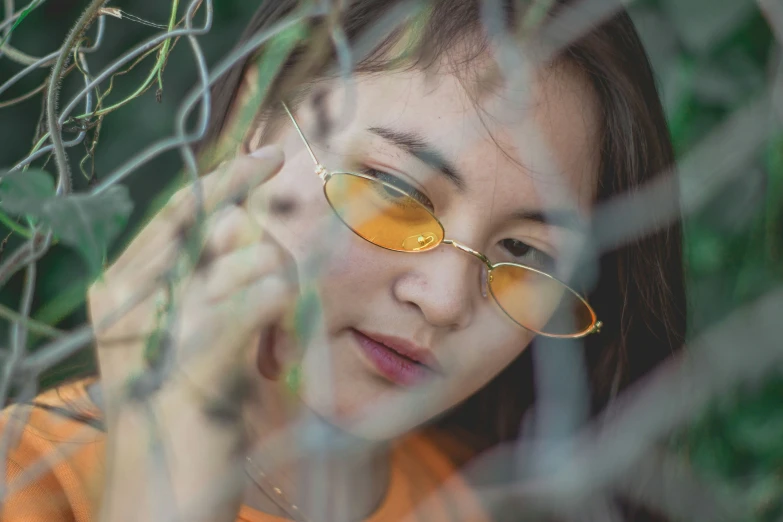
[326, 175]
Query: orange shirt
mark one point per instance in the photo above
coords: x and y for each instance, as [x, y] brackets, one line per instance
[55, 471]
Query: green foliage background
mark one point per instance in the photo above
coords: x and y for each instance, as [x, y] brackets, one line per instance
[712, 58]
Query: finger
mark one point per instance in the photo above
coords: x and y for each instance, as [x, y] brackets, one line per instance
[229, 185]
[263, 303]
[223, 186]
[232, 228]
[216, 346]
[227, 229]
[230, 274]
[288, 263]
[143, 267]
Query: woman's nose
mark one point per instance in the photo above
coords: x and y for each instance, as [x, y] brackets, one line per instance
[442, 284]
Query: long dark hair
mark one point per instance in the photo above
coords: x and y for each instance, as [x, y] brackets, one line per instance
[640, 286]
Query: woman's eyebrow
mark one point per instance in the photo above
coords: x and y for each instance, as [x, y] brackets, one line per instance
[556, 217]
[416, 145]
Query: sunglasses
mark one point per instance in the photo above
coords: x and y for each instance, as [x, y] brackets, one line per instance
[391, 217]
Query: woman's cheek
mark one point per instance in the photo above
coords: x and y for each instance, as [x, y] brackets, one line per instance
[491, 347]
[352, 266]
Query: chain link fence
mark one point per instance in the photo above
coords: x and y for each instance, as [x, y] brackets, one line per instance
[719, 68]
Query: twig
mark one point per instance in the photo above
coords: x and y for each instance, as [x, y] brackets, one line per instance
[170, 143]
[163, 56]
[17, 259]
[18, 335]
[31, 251]
[53, 91]
[157, 70]
[11, 17]
[206, 104]
[43, 62]
[60, 349]
[23, 97]
[37, 151]
[31, 324]
[40, 88]
[12, 225]
[18, 330]
[15, 19]
[52, 57]
[117, 64]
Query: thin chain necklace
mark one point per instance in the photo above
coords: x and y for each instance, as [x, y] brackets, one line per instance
[276, 494]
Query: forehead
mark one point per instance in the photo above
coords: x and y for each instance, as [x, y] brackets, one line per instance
[540, 139]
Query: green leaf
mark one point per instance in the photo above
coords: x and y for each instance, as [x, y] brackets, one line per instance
[89, 223]
[24, 193]
[21, 18]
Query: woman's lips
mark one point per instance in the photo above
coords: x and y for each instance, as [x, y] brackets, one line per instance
[391, 364]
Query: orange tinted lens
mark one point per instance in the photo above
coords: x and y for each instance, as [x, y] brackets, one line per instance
[382, 214]
[538, 302]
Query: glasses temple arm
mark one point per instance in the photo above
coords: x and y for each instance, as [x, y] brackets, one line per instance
[301, 135]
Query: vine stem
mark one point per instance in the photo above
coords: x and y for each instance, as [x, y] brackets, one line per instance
[32, 325]
[157, 70]
[6, 220]
[163, 55]
[64, 173]
[23, 97]
[12, 20]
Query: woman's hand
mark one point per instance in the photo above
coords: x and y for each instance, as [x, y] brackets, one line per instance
[205, 307]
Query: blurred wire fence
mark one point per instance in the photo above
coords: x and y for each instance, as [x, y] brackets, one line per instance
[719, 68]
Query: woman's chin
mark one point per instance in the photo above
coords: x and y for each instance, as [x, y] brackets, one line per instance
[369, 410]
[339, 387]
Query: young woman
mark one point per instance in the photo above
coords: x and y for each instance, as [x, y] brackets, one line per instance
[434, 214]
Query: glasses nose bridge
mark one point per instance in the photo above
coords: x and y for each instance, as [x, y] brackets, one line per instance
[464, 248]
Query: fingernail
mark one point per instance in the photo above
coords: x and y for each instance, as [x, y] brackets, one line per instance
[266, 152]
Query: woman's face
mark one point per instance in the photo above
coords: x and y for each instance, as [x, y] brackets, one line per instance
[489, 172]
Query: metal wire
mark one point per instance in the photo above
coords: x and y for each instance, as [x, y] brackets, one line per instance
[594, 463]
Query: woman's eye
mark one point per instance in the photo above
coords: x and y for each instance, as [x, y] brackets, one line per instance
[525, 254]
[398, 183]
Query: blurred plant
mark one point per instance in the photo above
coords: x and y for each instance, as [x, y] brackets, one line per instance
[77, 220]
[714, 59]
